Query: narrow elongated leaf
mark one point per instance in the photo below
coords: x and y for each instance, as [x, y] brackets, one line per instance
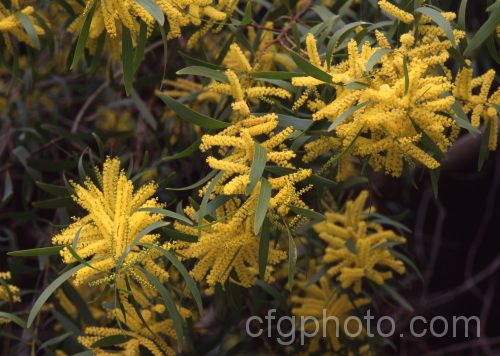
[397, 297]
[111, 340]
[308, 213]
[154, 10]
[483, 149]
[204, 72]
[141, 45]
[488, 28]
[439, 19]
[247, 16]
[263, 250]
[275, 75]
[29, 28]
[262, 205]
[169, 303]
[346, 114]
[311, 69]
[82, 38]
[192, 116]
[13, 318]
[146, 114]
[184, 153]
[42, 251]
[379, 53]
[168, 213]
[49, 291]
[462, 119]
[127, 59]
[258, 165]
[292, 259]
[191, 284]
[461, 14]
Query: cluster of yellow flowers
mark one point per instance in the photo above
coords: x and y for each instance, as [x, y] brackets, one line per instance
[322, 300]
[385, 111]
[231, 242]
[11, 25]
[150, 330]
[107, 234]
[356, 249]
[8, 293]
[109, 18]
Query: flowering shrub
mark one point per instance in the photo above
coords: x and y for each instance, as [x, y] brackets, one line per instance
[185, 164]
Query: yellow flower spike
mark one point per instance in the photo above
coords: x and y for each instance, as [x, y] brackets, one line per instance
[112, 223]
[396, 12]
[370, 258]
[312, 50]
[236, 59]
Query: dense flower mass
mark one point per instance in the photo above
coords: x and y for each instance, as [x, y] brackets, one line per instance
[273, 128]
[357, 248]
[108, 234]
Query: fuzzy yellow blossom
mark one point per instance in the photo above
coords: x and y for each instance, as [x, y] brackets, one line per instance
[8, 293]
[10, 25]
[228, 246]
[111, 17]
[105, 237]
[396, 12]
[480, 105]
[322, 300]
[269, 55]
[357, 248]
[401, 101]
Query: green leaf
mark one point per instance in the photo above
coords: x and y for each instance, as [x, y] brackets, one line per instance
[197, 184]
[258, 165]
[434, 174]
[407, 76]
[141, 45]
[379, 53]
[317, 276]
[204, 202]
[484, 32]
[82, 38]
[169, 303]
[396, 296]
[54, 341]
[484, 152]
[14, 319]
[146, 114]
[168, 213]
[154, 10]
[29, 28]
[262, 205]
[111, 340]
[42, 251]
[53, 203]
[461, 14]
[346, 114]
[184, 153]
[462, 119]
[7, 187]
[191, 284]
[292, 259]
[204, 72]
[311, 69]
[439, 19]
[49, 291]
[247, 16]
[127, 60]
[57, 190]
[308, 213]
[275, 75]
[192, 116]
[263, 250]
